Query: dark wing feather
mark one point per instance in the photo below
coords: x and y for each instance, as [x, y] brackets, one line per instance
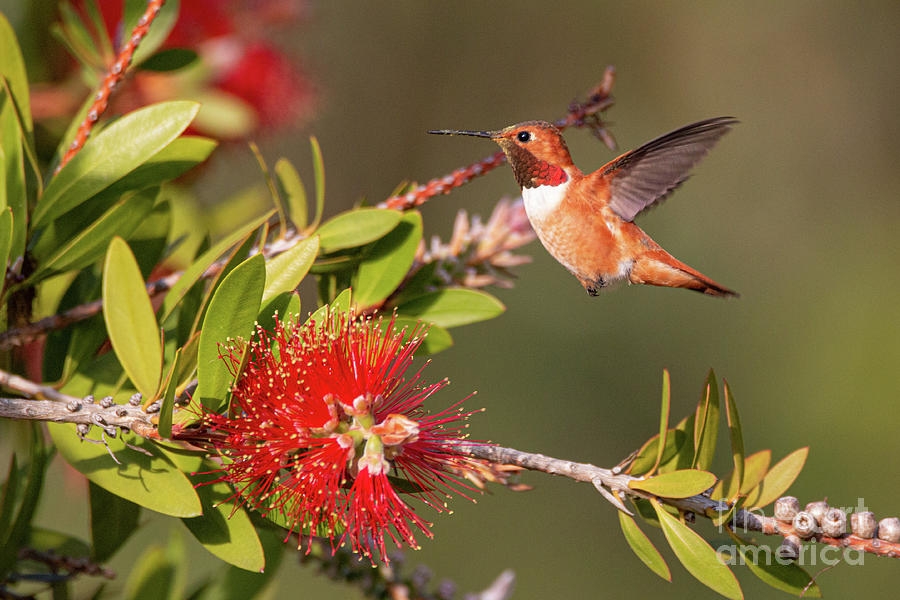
[647, 175]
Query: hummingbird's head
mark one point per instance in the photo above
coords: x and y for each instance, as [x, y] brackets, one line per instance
[536, 151]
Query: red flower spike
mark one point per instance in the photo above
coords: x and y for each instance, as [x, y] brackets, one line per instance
[323, 414]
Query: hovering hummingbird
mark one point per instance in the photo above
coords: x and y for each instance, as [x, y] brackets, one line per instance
[586, 220]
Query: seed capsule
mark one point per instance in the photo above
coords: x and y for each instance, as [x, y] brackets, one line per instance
[834, 523]
[135, 399]
[106, 401]
[863, 524]
[786, 509]
[889, 529]
[805, 525]
[789, 548]
[817, 510]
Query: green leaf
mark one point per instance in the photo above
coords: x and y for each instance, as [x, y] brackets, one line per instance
[116, 151]
[340, 304]
[788, 577]
[237, 584]
[319, 174]
[453, 307]
[663, 420]
[12, 67]
[777, 480]
[646, 457]
[121, 220]
[697, 556]
[357, 227]
[159, 30]
[113, 520]
[174, 160]
[130, 320]
[199, 266]
[45, 540]
[676, 484]
[150, 481]
[706, 424]
[231, 314]
[737, 443]
[170, 59]
[388, 262]
[6, 233]
[287, 304]
[285, 272]
[8, 500]
[13, 191]
[436, 338]
[153, 577]
[643, 547]
[182, 362]
[20, 526]
[223, 115]
[290, 187]
[755, 468]
[224, 529]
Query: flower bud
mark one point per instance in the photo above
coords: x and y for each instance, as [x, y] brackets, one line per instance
[817, 510]
[786, 509]
[789, 548]
[889, 529]
[805, 525]
[834, 523]
[862, 524]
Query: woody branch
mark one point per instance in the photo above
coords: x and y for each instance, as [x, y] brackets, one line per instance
[613, 484]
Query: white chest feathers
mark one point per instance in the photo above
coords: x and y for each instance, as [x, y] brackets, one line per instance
[541, 201]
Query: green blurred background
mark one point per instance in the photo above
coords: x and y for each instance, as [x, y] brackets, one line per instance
[798, 209]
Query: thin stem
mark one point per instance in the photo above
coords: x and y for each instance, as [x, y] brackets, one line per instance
[113, 77]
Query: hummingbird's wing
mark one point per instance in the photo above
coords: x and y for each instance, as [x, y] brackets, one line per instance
[647, 175]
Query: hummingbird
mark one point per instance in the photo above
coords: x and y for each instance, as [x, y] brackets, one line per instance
[586, 221]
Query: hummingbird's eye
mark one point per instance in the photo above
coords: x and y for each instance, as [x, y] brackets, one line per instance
[523, 136]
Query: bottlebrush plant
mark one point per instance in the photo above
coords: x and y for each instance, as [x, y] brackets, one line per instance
[210, 395]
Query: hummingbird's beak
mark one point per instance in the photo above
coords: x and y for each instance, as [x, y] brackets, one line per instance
[484, 134]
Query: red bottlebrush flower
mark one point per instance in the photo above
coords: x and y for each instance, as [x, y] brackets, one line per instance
[323, 414]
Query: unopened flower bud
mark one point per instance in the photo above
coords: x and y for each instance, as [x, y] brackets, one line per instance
[889, 529]
[805, 525]
[397, 429]
[786, 509]
[863, 524]
[790, 548]
[834, 523]
[817, 510]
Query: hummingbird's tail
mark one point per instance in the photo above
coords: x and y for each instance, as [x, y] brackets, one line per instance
[658, 267]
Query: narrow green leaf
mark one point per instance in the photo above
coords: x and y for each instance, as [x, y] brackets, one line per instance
[737, 442]
[777, 480]
[12, 170]
[357, 227]
[697, 556]
[755, 468]
[121, 220]
[706, 425]
[453, 307]
[646, 456]
[388, 262]
[676, 484]
[8, 501]
[21, 524]
[114, 152]
[786, 576]
[231, 314]
[684, 457]
[291, 188]
[663, 420]
[130, 320]
[168, 400]
[153, 577]
[6, 233]
[193, 273]
[287, 304]
[224, 529]
[319, 174]
[150, 481]
[62, 543]
[12, 67]
[170, 59]
[643, 547]
[285, 272]
[159, 30]
[340, 304]
[113, 520]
